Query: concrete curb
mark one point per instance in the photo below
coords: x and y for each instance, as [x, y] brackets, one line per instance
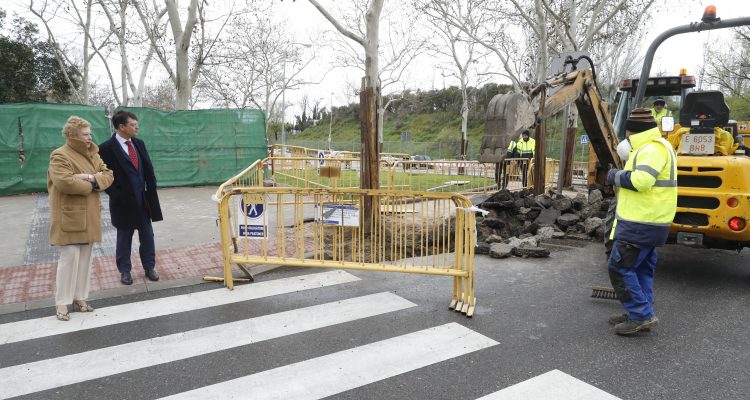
[105, 294]
[126, 290]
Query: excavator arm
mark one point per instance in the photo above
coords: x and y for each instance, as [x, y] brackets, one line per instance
[510, 113]
[580, 87]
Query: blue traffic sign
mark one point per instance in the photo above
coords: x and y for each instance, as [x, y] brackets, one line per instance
[584, 139]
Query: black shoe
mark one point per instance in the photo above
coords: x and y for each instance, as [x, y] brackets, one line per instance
[152, 275]
[126, 279]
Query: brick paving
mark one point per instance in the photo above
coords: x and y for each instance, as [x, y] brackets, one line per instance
[37, 281]
[35, 278]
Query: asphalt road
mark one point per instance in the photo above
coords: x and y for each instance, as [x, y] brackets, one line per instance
[533, 317]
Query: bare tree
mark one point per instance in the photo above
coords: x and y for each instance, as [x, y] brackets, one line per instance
[256, 64]
[623, 65]
[160, 96]
[118, 18]
[594, 26]
[457, 46]
[369, 39]
[727, 66]
[398, 47]
[98, 43]
[50, 13]
[190, 44]
[485, 23]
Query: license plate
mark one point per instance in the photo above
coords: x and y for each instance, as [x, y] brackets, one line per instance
[690, 239]
[698, 143]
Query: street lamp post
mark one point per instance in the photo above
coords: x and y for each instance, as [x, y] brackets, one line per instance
[283, 107]
[330, 124]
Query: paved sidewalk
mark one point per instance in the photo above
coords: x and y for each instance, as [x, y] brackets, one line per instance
[187, 244]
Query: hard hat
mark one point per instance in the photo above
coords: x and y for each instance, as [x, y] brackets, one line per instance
[660, 100]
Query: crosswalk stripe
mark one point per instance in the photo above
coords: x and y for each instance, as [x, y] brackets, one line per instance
[337, 372]
[51, 373]
[553, 385]
[49, 326]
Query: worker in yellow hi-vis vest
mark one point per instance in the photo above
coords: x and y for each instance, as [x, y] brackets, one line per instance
[660, 110]
[525, 148]
[646, 206]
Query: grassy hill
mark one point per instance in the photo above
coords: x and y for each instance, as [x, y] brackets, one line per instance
[436, 134]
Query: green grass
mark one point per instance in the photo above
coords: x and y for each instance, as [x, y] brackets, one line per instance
[418, 180]
[435, 134]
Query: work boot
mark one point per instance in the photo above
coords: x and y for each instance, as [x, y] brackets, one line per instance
[617, 318]
[620, 318]
[631, 326]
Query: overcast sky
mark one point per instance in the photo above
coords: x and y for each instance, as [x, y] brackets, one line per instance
[683, 51]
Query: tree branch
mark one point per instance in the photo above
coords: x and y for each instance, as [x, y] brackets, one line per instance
[351, 35]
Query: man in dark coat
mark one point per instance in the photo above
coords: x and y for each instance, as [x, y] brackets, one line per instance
[133, 202]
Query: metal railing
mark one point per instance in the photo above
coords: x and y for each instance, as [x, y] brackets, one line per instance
[409, 231]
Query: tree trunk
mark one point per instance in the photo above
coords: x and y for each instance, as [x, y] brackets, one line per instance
[182, 36]
[570, 129]
[540, 150]
[182, 83]
[369, 166]
[381, 122]
[368, 107]
[464, 123]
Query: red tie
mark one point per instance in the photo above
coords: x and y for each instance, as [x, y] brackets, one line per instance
[131, 152]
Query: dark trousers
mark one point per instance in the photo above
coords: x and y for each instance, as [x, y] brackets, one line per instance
[631, 271]
[147, 250]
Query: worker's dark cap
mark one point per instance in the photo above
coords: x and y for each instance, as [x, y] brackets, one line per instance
[640, 120]
[660, 101]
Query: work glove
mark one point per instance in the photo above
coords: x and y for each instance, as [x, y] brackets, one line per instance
[611, 176]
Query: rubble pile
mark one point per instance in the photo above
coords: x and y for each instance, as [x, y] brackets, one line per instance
[518, 221]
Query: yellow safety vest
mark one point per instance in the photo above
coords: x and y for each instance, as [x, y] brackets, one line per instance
[658, 115]
[526, 149]
[644, 216]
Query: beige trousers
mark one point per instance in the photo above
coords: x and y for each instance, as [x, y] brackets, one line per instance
[73, 272]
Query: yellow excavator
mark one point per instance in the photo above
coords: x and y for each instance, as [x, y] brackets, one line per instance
[713, 172]
[508, 114]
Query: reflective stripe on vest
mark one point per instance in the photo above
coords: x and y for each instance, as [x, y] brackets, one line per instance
[672, 181]
[656, 206]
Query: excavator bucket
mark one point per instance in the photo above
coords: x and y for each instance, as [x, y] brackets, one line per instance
[507, 115]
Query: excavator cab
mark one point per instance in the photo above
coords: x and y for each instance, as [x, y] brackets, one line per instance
[673, 88]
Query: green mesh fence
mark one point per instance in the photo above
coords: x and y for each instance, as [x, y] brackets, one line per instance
[201, 147]
[186, 147]
[29, 133]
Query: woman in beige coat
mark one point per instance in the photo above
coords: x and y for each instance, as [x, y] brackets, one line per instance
[75, 177]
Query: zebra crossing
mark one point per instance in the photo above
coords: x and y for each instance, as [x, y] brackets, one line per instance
[315, 377]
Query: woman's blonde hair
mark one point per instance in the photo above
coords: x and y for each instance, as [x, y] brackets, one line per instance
[74, 125]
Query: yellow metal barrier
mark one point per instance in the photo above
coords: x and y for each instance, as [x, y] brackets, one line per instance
[279, 150]
[312, 216]
[410, 231]
[398, 172]
[251, 176]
